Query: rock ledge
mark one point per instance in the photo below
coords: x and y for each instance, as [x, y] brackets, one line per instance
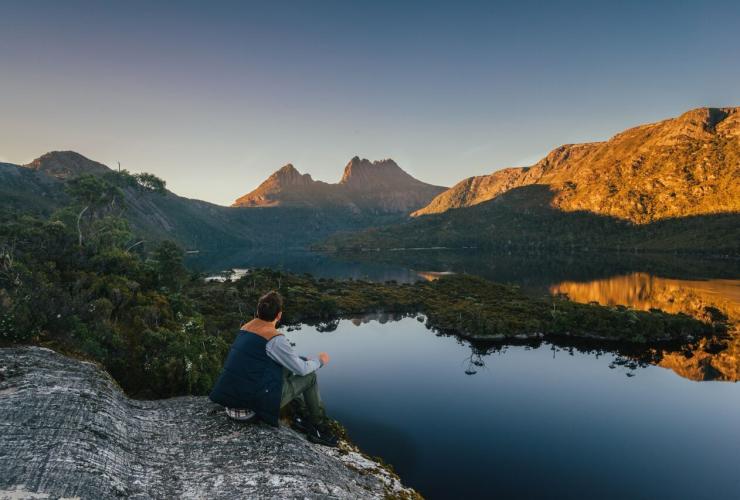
[66, 430]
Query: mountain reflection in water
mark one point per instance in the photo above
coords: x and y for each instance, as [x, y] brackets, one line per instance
[645, 291]
[704, 360]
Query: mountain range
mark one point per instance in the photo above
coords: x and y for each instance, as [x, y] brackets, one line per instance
[689, 165]
[376, 187]
[671, 185]
[288, 210]
[38, 188]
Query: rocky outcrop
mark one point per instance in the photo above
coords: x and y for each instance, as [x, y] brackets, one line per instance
[366, 186]
[383, 186]
[689, 165]
[65, 165]
[288, 187]
[68, 431]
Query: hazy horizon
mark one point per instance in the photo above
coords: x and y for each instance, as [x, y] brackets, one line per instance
[215, 97]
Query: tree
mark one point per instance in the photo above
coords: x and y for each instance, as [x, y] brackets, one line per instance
[95, 197]
[150, 182]
[170, 268]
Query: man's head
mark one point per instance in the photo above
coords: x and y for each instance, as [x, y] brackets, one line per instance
[270, 307]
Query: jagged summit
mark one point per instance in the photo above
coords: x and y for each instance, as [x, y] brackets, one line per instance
[366, 174]
[66, 165]
[287, 180]
[376, 186]
[289, 175]
[688, 165]
[358, 167]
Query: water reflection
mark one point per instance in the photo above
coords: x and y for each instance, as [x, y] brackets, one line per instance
[707, 300]
[382, 317]
[644, 291]
[432, 275]
[535, 420]
[536, 272]
[475, 361]
[299, 262]
[710, 359]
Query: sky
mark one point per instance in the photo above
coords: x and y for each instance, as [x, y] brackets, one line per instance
[214, 96]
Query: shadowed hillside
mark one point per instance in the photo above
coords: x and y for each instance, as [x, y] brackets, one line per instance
[523, 219]
[155, 215]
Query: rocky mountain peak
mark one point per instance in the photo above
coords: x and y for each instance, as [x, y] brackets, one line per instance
[288, 175]
[363, 173]
[66, 165]
[287, 179]
[372, 186]
[706, 118]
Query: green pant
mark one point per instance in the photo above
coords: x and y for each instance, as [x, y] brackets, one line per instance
[306, 388]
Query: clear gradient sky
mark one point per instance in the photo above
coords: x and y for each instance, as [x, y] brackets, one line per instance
[214, 96]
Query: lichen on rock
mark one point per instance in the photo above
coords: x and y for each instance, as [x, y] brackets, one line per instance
[68, 431]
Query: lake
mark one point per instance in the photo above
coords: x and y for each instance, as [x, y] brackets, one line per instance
[463, 421]
[670, 282]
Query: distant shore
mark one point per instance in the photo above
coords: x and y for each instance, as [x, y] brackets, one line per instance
[469, 306]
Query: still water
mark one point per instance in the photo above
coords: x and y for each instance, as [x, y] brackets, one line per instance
[463, 421]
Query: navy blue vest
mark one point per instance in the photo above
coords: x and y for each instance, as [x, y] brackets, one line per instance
[250, 379]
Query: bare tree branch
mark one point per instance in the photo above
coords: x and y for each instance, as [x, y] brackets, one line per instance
[79, 228]
[135, 245]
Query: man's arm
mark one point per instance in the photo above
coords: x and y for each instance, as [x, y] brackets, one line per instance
[280, 351]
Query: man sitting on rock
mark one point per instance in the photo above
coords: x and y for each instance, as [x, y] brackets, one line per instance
[262, 374]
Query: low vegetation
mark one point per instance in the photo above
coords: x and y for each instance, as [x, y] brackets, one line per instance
[461, 304]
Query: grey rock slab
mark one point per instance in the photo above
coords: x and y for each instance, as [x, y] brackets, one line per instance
[67, 431]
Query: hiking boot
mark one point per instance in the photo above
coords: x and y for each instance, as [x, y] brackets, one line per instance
[321, 434]
[300, 424]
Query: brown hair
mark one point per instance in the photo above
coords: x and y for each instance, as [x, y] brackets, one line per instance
[269, 305]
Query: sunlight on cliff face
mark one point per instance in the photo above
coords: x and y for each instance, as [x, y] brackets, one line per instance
[644, 291]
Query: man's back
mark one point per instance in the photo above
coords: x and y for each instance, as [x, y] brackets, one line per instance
[250, 378]
[263, 374]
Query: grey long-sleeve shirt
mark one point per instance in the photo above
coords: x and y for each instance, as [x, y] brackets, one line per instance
[279, 350]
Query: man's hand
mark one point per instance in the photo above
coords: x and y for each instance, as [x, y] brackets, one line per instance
[324, 358]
